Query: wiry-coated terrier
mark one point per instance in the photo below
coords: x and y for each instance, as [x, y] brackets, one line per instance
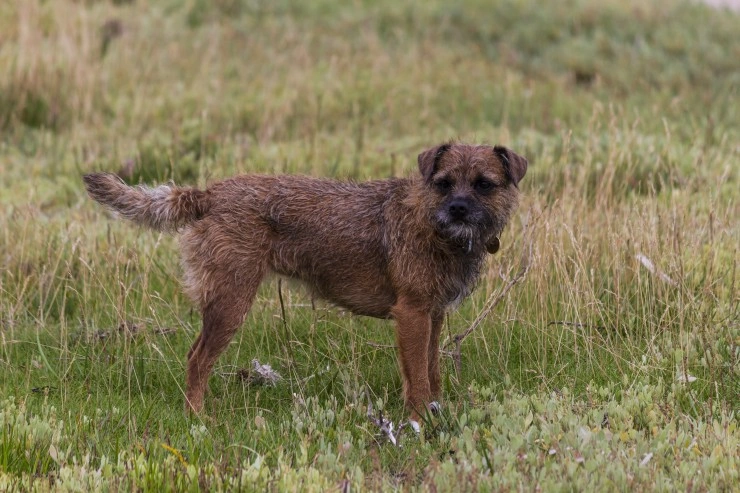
[407, 249]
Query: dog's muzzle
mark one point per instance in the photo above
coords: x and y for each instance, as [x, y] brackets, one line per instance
[462, 223]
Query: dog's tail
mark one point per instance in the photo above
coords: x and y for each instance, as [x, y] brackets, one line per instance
[164, 208]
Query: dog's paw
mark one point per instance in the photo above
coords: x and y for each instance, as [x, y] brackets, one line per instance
[415, 426]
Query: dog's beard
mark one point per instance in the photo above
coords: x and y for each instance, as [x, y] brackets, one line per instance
[464, 234]
[469, 234]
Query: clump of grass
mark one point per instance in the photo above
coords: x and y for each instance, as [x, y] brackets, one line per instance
[181, 158]
[50, 78]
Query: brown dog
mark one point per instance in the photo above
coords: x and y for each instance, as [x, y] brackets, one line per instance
[407, 249]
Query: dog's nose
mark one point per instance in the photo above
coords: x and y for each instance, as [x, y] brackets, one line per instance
[458, 209]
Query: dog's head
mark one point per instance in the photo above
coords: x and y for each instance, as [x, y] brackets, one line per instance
[472, 191]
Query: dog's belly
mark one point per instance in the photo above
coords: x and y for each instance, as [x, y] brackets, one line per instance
[330, 236]
[359, 296]
[353, 285]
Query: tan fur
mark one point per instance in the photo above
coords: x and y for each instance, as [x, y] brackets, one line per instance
[407, 249]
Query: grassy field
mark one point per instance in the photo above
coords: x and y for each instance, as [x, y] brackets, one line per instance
[614, 365]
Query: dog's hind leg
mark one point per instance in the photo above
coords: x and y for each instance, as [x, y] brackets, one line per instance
[223, 314]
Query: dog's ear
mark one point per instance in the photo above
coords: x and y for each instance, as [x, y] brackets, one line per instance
[429, 159]
[514, 164]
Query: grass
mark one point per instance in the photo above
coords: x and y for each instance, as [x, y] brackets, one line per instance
[593, 374]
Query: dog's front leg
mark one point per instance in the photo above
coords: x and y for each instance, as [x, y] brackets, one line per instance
[435, 382]
[413, 331]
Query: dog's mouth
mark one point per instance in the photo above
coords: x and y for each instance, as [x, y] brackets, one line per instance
[469, 233]
[464, 234]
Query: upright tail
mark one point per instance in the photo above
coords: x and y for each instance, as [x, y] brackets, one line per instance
[164, 208]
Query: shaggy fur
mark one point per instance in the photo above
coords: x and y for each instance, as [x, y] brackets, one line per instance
[406, 249]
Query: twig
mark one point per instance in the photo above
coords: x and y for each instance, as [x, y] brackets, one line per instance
[491, 303]
[576, 325]
[282, 305]
[648, 264]
[380, 346]
[385, 425]
[287, 350]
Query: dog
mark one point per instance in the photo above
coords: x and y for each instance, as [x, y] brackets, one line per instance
[407, 249]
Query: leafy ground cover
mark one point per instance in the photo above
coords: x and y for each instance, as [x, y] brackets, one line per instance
[612, 365]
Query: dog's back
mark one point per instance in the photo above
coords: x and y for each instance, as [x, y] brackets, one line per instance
[312, 229]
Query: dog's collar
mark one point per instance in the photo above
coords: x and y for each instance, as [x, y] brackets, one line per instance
[493, 245]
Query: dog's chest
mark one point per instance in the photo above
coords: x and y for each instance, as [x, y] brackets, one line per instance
[460, 277]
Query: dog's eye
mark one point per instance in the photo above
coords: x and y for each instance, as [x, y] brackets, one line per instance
[443, 184]
[484, 185]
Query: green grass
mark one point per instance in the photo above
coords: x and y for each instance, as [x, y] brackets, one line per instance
[630, 117]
